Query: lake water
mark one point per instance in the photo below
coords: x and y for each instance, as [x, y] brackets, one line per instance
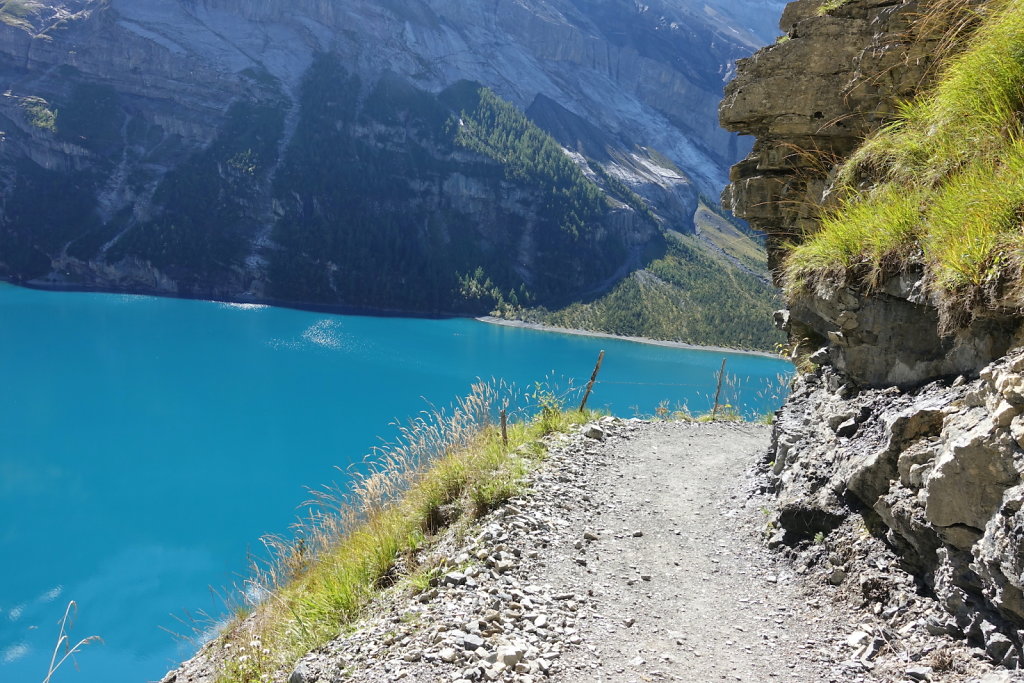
[146, 444]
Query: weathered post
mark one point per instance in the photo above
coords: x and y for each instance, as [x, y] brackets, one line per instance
[718, 391]
[593, 378]
[504, 427]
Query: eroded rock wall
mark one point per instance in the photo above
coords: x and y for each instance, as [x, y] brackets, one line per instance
[811, 98]
[917, 428]
[936, 471]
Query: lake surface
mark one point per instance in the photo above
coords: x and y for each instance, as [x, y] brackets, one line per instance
[146, 444]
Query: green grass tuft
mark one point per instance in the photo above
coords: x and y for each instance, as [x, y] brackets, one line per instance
[864, 236]
[442, 468]
[828, 6]
[946, 182]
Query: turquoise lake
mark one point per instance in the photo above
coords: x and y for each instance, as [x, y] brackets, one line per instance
[146, 444]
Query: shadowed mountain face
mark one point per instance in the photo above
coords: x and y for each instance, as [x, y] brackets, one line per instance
[385, 153]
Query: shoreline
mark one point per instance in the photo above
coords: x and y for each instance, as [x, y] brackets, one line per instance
[331, 309]
[338, 309]
[541, 327]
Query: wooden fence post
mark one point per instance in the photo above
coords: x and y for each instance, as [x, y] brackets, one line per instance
[718, 391]
[504, 427]
[593, 378]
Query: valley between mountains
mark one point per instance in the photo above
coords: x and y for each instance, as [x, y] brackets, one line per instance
[636, 553]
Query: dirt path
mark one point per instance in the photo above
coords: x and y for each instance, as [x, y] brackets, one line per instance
[635, 556]
[637, 553]
[696, 597]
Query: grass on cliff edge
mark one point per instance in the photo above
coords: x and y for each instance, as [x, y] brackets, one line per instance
[946, 182]
[830, 6]
[442, 467]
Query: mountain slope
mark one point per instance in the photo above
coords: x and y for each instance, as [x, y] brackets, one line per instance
[710, 287]
[366, 154]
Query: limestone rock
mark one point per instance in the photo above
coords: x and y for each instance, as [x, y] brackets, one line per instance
[942, 474]
[968, 480]
[809, 101]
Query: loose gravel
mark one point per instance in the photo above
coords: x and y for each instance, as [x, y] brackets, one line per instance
[638, 553]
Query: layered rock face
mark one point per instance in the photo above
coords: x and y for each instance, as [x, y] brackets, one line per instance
[810, 100]
[913, 426]
[177, 145]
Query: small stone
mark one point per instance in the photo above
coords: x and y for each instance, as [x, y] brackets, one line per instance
[856, 638]
[502, 566]
[637, 534]
[509, 656]
[472, 641]
[919, 673]
[872, 650]
[299, 675]
[1004, 413]
[847, 320]
[448, 655]
[997, 645]
[781, 320]
[847, 429]
[936, 627]
[645, 577]
[837, 576]
[595, 432]
[628, 622]
[454, 579]
[590, 536]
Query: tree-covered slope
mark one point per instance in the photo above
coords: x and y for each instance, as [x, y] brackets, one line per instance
[394, 219]
[708, 288]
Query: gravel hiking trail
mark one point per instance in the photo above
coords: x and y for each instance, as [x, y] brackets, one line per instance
[636, 552]
[682, 587]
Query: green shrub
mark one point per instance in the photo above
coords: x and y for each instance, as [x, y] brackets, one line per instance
[828, 6]
[39, 114]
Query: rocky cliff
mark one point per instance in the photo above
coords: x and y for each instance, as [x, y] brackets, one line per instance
[905, 413]
[313, 152]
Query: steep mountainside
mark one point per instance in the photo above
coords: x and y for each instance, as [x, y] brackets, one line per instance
[887, 173]
[370, 153]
